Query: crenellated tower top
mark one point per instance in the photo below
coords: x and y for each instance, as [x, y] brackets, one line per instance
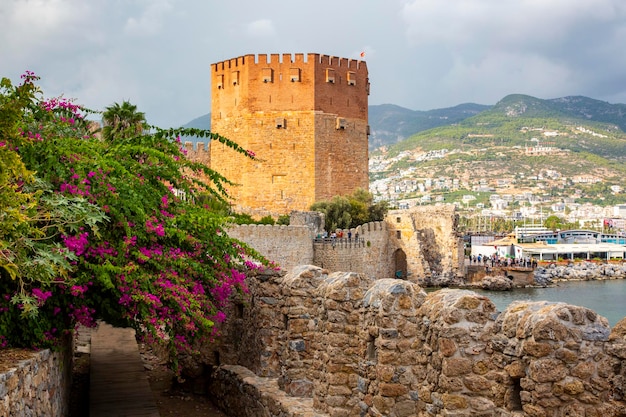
[296, 82]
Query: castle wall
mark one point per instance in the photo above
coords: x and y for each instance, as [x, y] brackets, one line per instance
[339, 155]
[198, 153]
[286, 246]
[428, 236]
[261, 83]
[358, 346]
[370, 254]
[290, 246]
[39, 385]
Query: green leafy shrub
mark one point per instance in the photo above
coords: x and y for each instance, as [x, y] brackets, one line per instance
[114, 228]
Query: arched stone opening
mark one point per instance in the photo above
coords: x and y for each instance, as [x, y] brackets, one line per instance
[400, 265]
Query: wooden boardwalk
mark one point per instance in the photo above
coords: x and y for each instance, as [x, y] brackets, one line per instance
[118, 383]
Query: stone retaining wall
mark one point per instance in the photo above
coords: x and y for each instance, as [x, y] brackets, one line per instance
[38, 386]
[345, 345]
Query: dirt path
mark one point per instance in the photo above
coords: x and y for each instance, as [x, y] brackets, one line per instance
[171, 399]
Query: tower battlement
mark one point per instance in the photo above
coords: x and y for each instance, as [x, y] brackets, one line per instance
[278, 60]
[295, 82]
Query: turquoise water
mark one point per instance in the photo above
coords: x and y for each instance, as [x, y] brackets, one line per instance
[607, 298]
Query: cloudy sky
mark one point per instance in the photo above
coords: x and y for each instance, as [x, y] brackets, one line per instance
[421, 54]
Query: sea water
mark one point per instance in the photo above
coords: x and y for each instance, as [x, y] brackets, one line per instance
[607, 298]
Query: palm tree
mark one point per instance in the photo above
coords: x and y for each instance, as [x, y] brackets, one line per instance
[122, 121]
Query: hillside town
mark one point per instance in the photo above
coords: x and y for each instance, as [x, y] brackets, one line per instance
[529, 197]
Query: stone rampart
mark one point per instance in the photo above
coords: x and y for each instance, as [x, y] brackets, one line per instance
[368, 251]
[38, 386]
[344, 344]
[428, 236]
[287, 246]
[420, 243]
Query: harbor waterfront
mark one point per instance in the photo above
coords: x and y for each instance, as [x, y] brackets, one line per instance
[605, 297]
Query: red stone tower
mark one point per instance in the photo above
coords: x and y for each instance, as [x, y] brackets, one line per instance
[304, 117]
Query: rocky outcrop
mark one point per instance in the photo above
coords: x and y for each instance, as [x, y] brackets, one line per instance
[581, 271]
[496, 283]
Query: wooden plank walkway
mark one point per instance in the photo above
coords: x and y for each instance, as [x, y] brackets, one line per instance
[118, 383]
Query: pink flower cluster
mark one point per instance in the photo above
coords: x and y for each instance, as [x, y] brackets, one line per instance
[154, 226]
[40, 295]
[77, 244]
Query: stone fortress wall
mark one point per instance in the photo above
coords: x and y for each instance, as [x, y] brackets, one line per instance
[314, 343]
[424, 235]
[38, 386]
[312, 340]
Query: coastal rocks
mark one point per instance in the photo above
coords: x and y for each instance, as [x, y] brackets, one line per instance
[581, 271]
[440, 281]
[496, 283]
[542, 279]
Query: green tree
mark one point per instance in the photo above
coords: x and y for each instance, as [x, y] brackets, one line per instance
[122, 120]
[32, 215]
[345, 212]
[553, 222]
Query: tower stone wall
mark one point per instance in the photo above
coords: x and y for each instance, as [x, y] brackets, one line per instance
[304, 117]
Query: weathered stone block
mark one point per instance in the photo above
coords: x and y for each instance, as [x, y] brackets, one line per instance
[451, 384]
[547, 370]
[335, 400]
[456, 366]
[392, 390]
[476, 383]
[454, 402]
[447, 347]
[516, 369]
[339, 390]
[537, 350]
[404, 409]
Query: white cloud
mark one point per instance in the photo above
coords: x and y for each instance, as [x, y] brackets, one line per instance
[421, 54]
[41, 23]
[261, 27]
[150, 21]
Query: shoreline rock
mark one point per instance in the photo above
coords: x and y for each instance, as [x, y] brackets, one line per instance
[580, 271]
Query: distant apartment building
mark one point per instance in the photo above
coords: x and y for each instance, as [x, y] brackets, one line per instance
[619, 210]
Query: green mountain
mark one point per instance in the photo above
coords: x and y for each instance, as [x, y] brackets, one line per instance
[559, 147]
[592, 110]
[519, 120]
[390, 124]
[202, 122]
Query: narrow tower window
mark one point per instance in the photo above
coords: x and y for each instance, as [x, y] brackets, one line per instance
[351, 78]
[294, 75]
[330, 75]
[267, 75]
